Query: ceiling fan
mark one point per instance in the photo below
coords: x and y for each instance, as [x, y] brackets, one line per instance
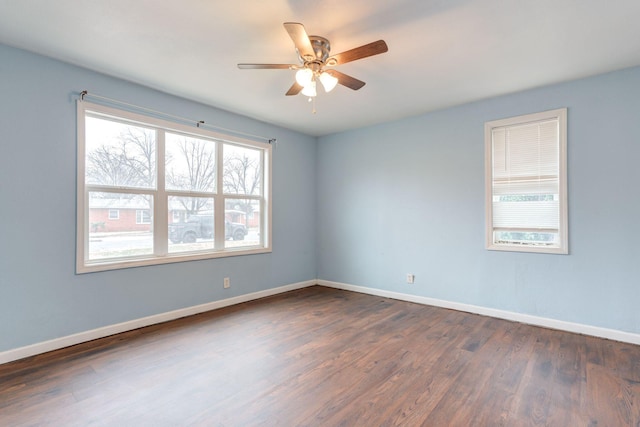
[314, 56]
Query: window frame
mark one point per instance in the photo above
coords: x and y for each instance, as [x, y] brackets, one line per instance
[159, 210]
[114, 217]
[561, 116]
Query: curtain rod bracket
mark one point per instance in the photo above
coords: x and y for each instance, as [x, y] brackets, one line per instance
[82, 95]
[200, 122]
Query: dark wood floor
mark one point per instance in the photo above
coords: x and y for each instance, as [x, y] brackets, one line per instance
[325, 357]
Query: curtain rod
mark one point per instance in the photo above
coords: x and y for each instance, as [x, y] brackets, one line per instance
[198, 123]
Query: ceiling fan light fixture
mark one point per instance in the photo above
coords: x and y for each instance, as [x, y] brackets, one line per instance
[304, 76]
[328, 81]
[310, 89]
[314, 53]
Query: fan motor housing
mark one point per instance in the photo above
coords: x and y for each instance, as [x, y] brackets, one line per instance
[321, 48]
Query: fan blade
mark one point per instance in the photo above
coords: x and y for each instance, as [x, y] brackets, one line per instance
[301, 40]
[346, 80]
[294, 90]
[265, 66]
[365, 51]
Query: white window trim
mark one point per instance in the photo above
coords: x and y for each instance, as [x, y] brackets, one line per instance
[563, 231]
[116, 216]
[160, 208]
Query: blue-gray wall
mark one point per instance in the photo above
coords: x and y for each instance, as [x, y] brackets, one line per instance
[408, 197]
[40, 296]
[363, 208]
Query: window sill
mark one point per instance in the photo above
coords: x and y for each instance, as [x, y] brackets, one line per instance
[105, 265]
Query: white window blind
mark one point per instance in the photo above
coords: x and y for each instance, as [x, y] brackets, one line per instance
[525, 182]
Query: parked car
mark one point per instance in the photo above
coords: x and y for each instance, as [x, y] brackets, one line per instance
[234, 230]
[201, 227]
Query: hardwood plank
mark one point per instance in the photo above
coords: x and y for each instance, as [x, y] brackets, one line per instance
[320, 356]
[612, 400]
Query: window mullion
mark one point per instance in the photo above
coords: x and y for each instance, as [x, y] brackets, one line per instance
[218, 199]
[242, 197]
[160, 205]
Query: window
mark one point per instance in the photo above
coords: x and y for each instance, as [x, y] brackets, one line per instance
[526, 185]
[143, 216]
[180, 193]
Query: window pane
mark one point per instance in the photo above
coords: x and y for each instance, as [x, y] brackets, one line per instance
[191, 224]
[242, 223]
[126, 237]
[190, 163]
[526, 238]
[119, 154]
[242, 170]
[525, 180]
[143, 216]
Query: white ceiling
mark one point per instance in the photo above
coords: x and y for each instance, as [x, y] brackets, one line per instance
[441, 52]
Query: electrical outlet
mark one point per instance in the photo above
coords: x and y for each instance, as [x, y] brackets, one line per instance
[411, 278]
[227, 283]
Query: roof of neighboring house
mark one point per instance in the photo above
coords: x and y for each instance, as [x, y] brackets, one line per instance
[139, 203]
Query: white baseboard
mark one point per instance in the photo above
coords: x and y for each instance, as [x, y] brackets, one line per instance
[578, 328]
[55, 344]
[69, 340]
